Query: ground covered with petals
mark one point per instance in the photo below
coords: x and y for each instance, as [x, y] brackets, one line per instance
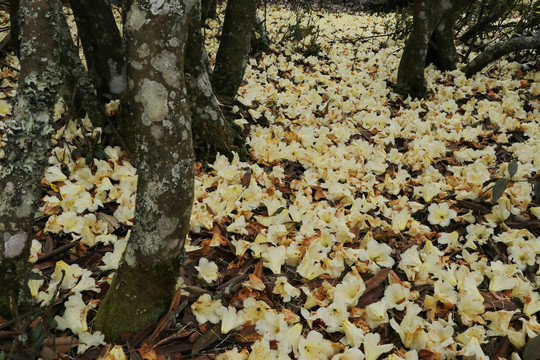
[361, 226]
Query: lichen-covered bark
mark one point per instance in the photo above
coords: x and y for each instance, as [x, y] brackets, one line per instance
[235, 42]
[212, 132]
[102, 45]
[498, 50]
[28, 139]
[145, 283]
[433, 32]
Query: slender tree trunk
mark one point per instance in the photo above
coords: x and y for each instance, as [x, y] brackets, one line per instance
[28, 139]
[498, 50]
[14, 29]
[208, 10]
[145, 282]
[212, 132]
[102, 45]
[232, 55]
[76, 85]
[433, 23]
[260, 40]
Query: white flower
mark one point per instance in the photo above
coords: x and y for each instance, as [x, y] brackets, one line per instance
[230, 318]
[208, 270]
[441, 214]
[372, 349]
[354, 336]
[88, 340]
[333, 315]
[205, 309]
[314, 347]
[74, 317]
[286, 290]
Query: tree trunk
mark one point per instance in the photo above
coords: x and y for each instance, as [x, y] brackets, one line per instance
[145, 282]
[498, 50]
[260, 40]
[76, 88]
[208, 10]
[102, 45]
[28, 139]
[235, 42]
[212, 132]
[433, 23]
[14, 28]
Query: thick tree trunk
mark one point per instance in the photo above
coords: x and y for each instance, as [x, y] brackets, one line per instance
[498, 50]
[212, 132]
[28, 139]
[145, 282]
[102, 45]
[235, 42]
[433, 33]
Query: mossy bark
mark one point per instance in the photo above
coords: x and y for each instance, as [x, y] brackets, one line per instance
[28, 139]
[155, 99]
[102, 45]
[212, 132]
[431, 40]
[138, 298]
[234, 46]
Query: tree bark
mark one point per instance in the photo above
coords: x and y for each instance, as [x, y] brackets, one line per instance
[212, 132]
[498, 50]
[102, 45]
[208, 10]
[233, 51]
[28, 139]
[145, 282]
[433, 33]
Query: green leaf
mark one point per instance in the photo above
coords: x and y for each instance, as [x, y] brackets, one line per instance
[37, 335]
[108, 129]
[34, 276]
[89, 157]
[52, 323]
[498, 188]
[512, 168]
[100, 153]
[107, 96]
[77, 151]
[532, 349]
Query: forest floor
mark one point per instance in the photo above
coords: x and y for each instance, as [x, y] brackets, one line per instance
[362, 223]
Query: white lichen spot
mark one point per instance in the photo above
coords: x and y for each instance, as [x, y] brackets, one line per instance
[14, 244]
[129, 255]
[167, 64]
[117, 84]
[184, 135]
[153, 97]
[175, 156]
[446, 4]
[173, 42]
[135, 19]
[174, 244]
[156, 131]
[159, 7]
[422, 15]
[166, 226]
[143, 50]
[441, 27]
[9, 187]
[136, 65]
[167, 124]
